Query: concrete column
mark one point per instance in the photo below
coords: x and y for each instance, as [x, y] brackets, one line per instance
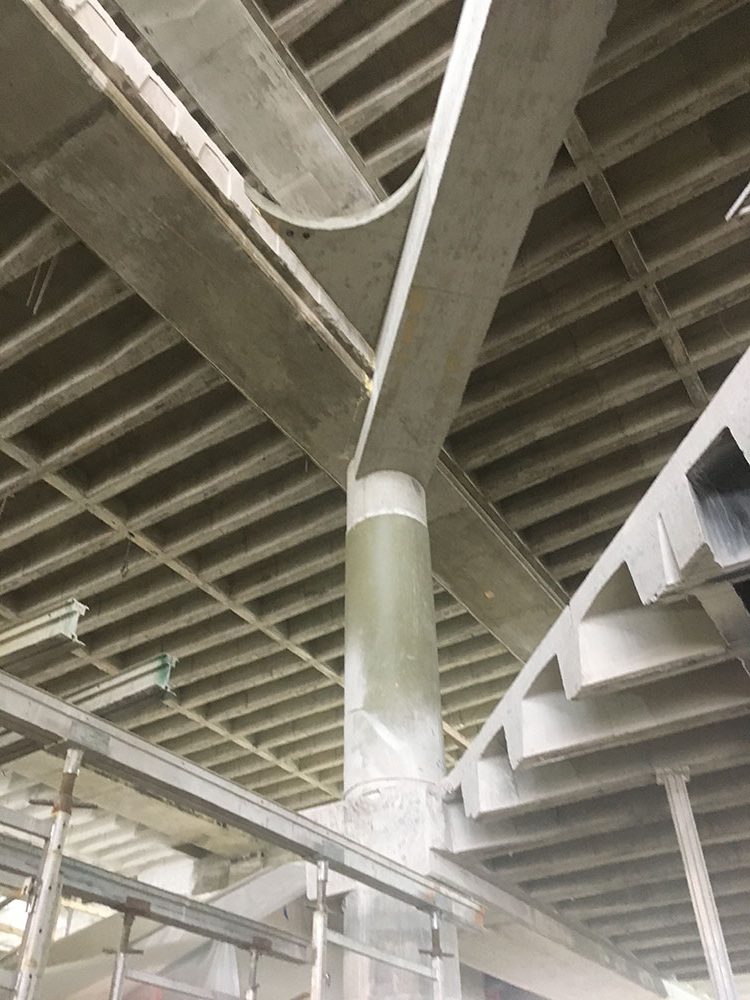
[393, 738]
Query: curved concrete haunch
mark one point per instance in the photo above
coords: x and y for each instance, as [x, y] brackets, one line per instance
[354, 257]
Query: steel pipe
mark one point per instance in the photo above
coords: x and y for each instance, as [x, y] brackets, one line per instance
[701, 893]
[41, 923]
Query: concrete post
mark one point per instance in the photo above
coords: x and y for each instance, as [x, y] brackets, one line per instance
[393, 742]
[41, 923]
[701, 893]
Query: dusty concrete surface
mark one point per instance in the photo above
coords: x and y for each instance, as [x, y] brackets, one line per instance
[136, 477]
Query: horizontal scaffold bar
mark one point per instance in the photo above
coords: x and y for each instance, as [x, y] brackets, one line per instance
[163, 775]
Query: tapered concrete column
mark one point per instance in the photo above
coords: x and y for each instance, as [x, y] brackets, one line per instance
[393, 742]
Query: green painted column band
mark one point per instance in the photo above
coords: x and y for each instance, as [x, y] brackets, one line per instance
[392, 691]
[393, 738]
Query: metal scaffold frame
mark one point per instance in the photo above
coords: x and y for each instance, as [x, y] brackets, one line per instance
[59, 726]
[164, 775]
[47, 886]
[323, 936]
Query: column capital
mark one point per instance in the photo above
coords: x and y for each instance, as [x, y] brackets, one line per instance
[384, 492]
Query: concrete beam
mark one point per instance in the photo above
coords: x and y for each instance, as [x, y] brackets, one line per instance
[652, 644]
[546, 726]
[218, 247]
[536, 949]
[492, 788]
[685, 542]
[510, 87]
[170, 214]
[229, 58]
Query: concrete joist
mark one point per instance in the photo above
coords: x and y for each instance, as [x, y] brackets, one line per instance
[45, 239]
[720, 800]
[545, 726]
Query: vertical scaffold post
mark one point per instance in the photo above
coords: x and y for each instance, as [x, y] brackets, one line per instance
[118, 975]
[702, 896]
[252, 989]
[41, 923]
[319, 935]
[438, 967]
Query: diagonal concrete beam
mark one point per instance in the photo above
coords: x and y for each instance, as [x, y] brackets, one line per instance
[149, 192]
[229, 58]
[512, 81]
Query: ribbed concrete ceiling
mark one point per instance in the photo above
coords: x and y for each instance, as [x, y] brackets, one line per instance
[135, 478]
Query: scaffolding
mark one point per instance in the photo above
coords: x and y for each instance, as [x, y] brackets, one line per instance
[69, 728]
